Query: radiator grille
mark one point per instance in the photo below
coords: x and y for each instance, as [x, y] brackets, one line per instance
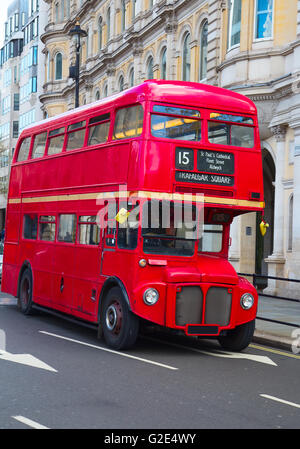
[218, 306]
[189, 306]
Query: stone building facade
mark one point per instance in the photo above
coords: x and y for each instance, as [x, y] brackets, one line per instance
[249, 46]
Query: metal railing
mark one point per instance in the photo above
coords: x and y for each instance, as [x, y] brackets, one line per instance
[255, 277]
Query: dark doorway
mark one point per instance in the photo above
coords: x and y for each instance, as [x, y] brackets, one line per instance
[264, 245]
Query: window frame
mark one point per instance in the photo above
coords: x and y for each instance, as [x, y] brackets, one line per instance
[34, 138]
[61, 68]
[23, 226]
[53, 136]
[74, 222]
[229, 45]
[68, 132]
[51, 222]
[200, 118]
[87, 223]
[29, 150]
[262, 39]
[113, 138]
[106, 119]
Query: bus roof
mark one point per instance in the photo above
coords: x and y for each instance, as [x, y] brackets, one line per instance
[176, 92]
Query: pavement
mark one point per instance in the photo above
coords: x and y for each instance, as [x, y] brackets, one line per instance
[274, 334]
[266, 332]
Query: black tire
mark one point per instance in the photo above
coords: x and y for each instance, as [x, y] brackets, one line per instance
[239, 338]
[120, 326]
[25, 293]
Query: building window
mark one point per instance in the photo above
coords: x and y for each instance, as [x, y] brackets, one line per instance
[123, 15]
[150, 68]
[131, 77]
[108, 25]
[164, 64]
[235, 23]
[203, 51]
[290, 230]
[58, 66]
[100, 31]
[186, 58]
[121, 83]
[97, 96]
[263, 19]
[133, 9]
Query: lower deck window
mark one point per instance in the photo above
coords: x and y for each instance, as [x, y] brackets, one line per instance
[89, 232]
[67, 228]
[30, 223]
[47, 228]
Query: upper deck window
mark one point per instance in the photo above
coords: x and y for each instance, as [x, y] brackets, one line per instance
[56, 140]
[128, 122]
[237, 133]
[24, 149]
[39, 144]
[176, 123]
[98, 129]
[76, 133]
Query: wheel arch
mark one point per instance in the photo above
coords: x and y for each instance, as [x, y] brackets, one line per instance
[111, 282]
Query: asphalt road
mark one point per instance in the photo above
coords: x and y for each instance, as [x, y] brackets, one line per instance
[58, 375]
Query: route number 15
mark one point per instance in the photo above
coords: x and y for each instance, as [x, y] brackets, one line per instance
[184, 159]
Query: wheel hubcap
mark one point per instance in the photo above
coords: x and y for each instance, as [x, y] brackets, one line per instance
[113, 317]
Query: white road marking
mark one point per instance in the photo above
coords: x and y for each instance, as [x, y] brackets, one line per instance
[111, 351]
[29, 422]
[25, 359]
[273, 398]
[227, 354]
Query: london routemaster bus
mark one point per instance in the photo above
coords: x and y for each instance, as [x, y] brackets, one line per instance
[85, 229]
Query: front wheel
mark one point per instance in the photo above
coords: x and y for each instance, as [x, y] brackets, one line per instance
[120, 326]
[239, 338]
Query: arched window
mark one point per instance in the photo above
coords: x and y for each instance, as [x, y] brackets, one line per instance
[97, 96]
[108, 25]
[163, 68]
[290, 230]
[58, 66]
[105, 92]
[100, 32]
[203, 51]
[186, 58]
[150, 68]
[121, 83]
[123, 15]
[131, 77]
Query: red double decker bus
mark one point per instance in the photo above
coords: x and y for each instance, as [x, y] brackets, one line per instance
[119, 212]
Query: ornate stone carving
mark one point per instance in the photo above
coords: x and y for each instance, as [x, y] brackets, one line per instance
[279, 132]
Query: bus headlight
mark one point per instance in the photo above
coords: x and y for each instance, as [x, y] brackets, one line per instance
[150, 296]
[247, 301]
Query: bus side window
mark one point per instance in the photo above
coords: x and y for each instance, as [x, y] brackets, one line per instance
[128, 122]
[39, 144]
[47, 228]
[67, 228]
[98, 129]
[56, 141]
[75, 137]
[89, 232]
[24, 149]
[30, 222]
